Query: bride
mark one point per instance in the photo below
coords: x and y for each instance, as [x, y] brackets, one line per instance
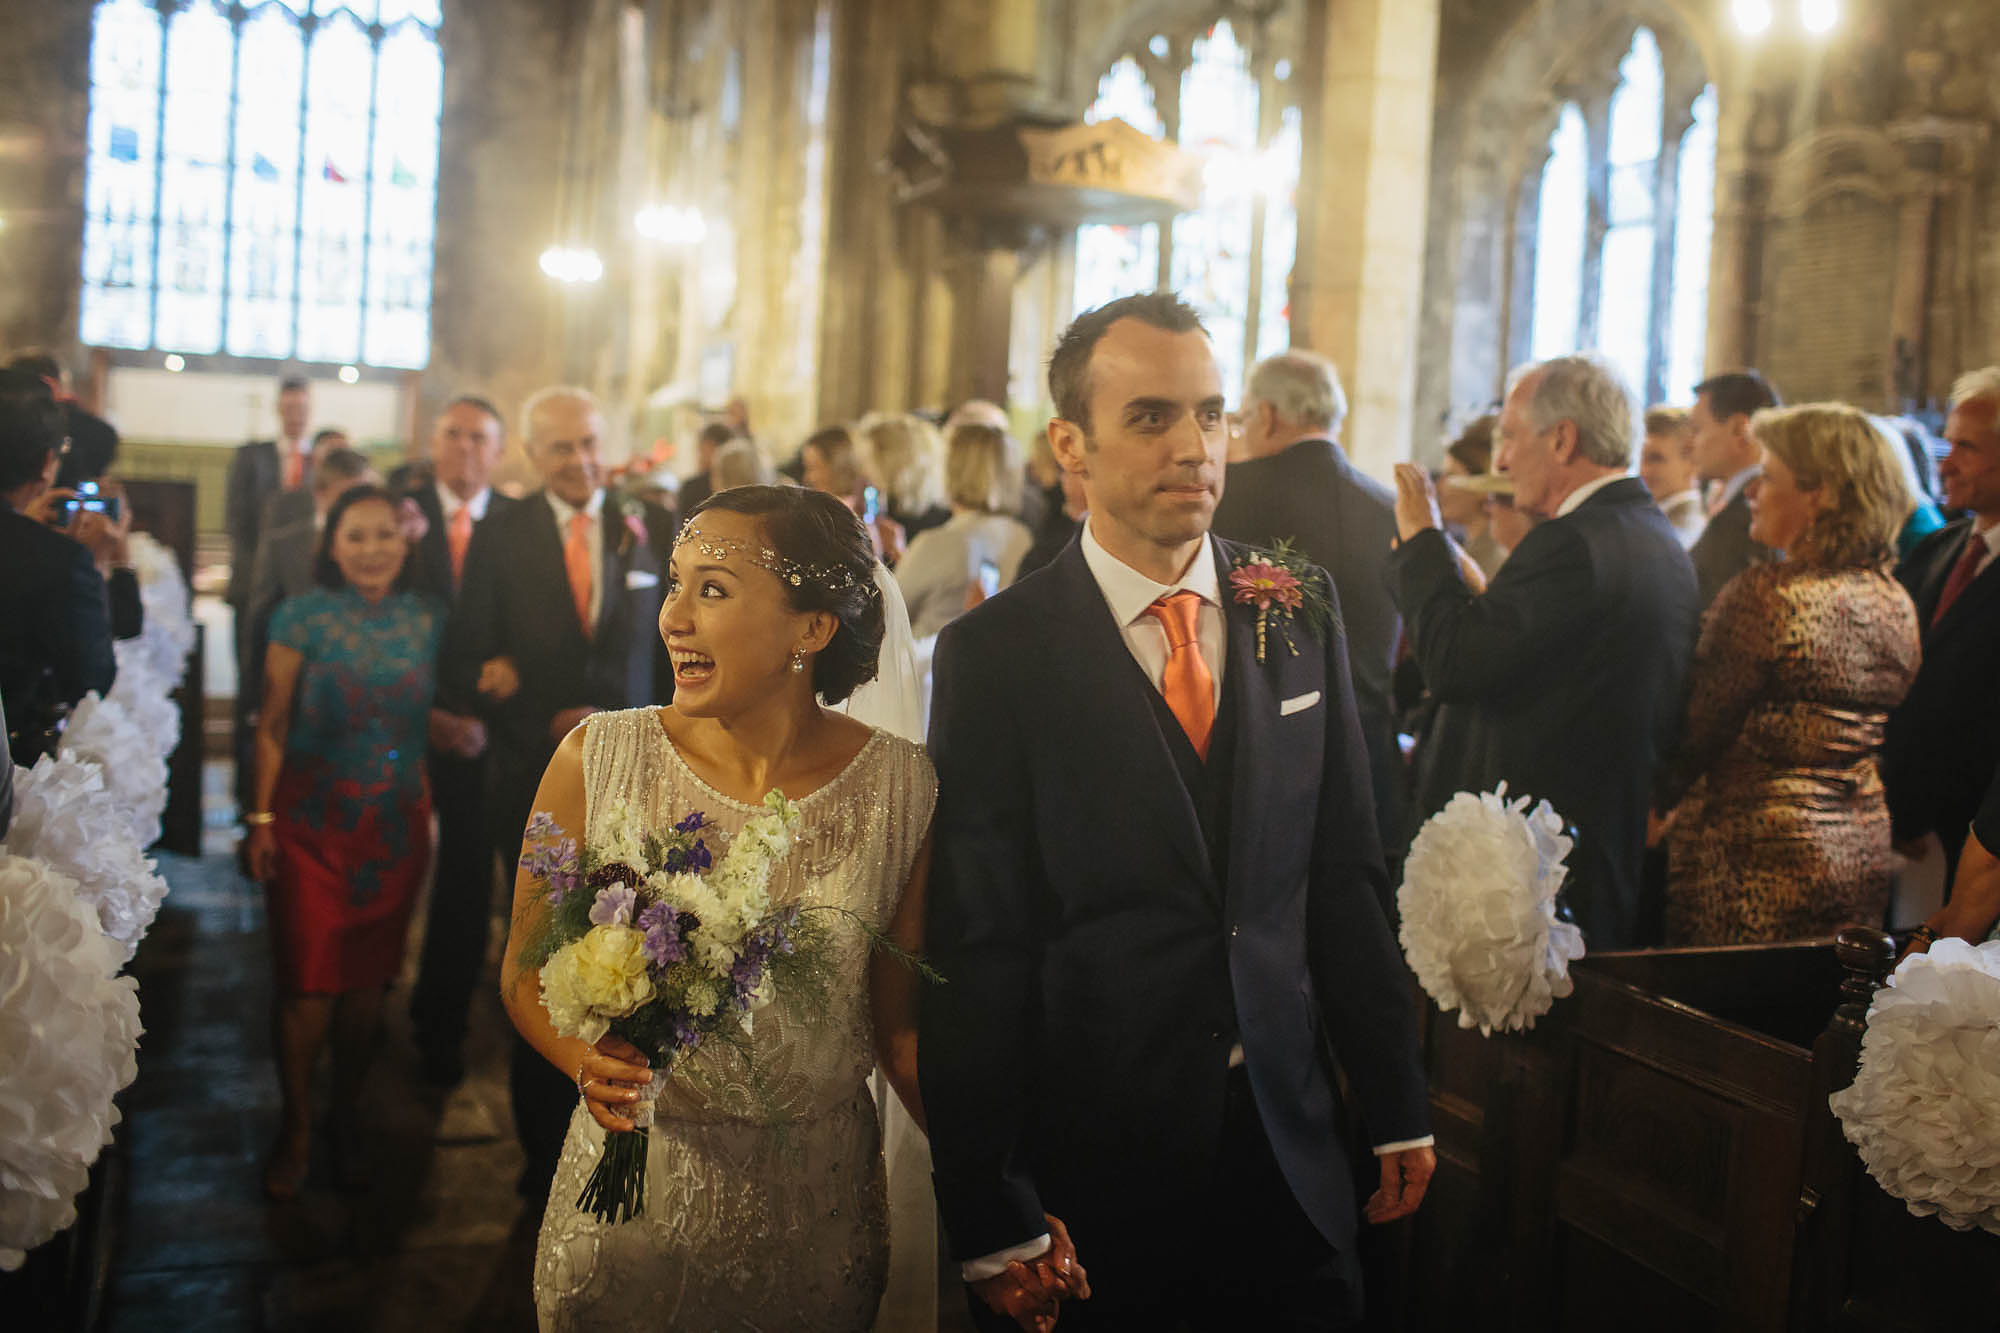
[765, 1202]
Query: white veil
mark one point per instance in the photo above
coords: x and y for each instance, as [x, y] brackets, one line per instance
[894, 701]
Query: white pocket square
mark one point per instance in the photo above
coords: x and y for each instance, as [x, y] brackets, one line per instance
[641, 578]
[1298, 705]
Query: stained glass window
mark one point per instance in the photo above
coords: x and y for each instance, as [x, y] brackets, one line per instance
[262, 178]
[1658, 354]
[1559, 235]
[1114, 261]
[1250, 180]
[1694, 227]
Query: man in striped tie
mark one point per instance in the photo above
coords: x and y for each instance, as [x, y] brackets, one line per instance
[1942, 743]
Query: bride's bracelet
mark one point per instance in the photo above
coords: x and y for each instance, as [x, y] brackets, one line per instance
[577, 1078]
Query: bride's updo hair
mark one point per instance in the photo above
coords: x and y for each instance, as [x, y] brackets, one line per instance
[821, 537]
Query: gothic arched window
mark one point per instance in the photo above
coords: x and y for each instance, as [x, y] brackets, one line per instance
[1232, 257]
[261, 179]
[1623, 214]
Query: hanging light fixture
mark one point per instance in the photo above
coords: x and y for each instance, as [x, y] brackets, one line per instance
[1819, 16]
[1752, 16]
[670, 224]
[572, 264]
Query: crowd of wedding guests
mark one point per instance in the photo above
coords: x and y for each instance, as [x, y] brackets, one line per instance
[1745, 649]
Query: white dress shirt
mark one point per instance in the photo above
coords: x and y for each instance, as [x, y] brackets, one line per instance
[1685, 510]
[449, 504]
[1585, 491]
[594, 511]
[1734, 486]
[1128, 593]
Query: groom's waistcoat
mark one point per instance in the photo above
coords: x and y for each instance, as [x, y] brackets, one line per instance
[1211, 782]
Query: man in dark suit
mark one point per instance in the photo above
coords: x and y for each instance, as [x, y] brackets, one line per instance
[457, 501]
[556, 619]
[1728, 458]
[1943, 741]
[69, 588]
[1154, 894]
[1296, 485]
[259, 470]
[284, 563]
[285, 507]
[1576, 655]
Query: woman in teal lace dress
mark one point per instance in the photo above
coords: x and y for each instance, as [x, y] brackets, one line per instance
[342, 830]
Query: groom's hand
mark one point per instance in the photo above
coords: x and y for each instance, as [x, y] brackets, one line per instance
[1030, 1293]
[1405, 1177]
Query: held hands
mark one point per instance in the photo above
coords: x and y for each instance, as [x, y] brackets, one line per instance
[612, 1077]
[1031, 1293]
[1416, 502]
[1405, 1177]
[499, 680]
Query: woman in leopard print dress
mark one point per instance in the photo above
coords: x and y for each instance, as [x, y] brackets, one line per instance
[1781, 831]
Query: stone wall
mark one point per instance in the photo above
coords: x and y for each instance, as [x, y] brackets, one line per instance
[1856, 248]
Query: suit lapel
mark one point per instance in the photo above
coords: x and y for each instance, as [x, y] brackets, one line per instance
[1250, 683]
[1113, 694]
[1974, 605]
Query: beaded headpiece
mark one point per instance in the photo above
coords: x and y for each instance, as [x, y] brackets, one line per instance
[828, 578]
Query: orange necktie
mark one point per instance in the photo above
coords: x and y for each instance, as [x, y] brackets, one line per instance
[576, 559]
[1187, 683]
[459, 536]
[295, 469]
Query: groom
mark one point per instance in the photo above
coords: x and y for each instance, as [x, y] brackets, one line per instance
[1154, 897]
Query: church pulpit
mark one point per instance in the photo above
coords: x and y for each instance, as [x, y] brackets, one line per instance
[1658, 1154]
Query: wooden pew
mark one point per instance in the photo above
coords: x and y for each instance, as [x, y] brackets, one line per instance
[1658, 1154]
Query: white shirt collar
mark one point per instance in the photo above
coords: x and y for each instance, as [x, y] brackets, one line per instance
[565, 511]
[1687, 497]
[1585, 491]
[449, 503]
[1734, 486]
[1989, 533]
[1128, 592]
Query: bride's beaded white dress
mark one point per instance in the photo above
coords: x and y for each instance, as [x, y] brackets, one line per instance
[765, 1207]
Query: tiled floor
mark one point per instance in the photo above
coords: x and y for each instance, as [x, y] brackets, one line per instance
[439, 1241]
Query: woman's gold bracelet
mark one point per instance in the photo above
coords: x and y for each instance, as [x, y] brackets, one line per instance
[259, 818]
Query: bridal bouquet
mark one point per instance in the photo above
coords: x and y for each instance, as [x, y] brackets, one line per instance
[651, 937]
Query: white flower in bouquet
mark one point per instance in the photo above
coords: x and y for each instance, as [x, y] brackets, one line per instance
[1924, 1108]
[1478, 903]
[69, 1033]
[702, 998]
[622, 836]
[135, 773]
[148, 701]
[64, 815]
[590, 981]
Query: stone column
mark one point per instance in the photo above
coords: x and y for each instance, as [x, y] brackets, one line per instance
[1358, 280]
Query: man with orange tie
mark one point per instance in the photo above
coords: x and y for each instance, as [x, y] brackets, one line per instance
[556, 619]
[259, 470]
[466, 444]
[1154, 893]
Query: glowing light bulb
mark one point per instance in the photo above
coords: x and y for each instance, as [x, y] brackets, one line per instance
[349, 375]
[572, 264]
[1752, 16]
[1819, 15]
[175, 363]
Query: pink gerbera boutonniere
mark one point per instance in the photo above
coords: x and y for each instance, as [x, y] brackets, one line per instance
[1276, 582]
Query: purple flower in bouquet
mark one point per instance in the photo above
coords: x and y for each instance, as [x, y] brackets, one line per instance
[541, 827]
[554, 862]
[692, 823]
[663, 944]
[686, 1034]
[613, 906]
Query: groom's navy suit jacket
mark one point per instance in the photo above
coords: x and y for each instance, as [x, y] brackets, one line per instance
[1100, 963]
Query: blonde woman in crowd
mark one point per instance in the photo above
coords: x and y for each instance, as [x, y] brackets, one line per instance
[978, 549]
[904, 455]
[1781, 830]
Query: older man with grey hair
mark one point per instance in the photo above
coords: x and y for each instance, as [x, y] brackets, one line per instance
[1946, 732]
[1575, 658]
[1295, 484]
